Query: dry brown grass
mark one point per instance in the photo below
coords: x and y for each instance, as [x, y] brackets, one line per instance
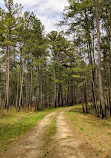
[94, 130]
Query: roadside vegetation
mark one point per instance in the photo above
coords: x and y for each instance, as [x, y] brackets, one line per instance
[49, 146]
[13, 125]
[95, 131]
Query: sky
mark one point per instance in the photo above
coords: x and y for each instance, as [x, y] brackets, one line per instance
[48, 11]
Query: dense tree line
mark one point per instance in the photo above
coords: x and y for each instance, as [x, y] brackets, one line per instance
[89, 24]
[61, 68]
[31, 63]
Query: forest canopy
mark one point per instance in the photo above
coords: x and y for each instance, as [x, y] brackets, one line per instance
[39, 71]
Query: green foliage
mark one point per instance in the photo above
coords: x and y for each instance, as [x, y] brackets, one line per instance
[16, 125]
[91, 127]
[55, 68]
[51, 131]
[13, 125]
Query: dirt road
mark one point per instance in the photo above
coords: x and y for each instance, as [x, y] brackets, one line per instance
[69, 143]
[66, 143]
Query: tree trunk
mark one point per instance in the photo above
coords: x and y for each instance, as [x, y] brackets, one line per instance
[0, 90]
[41, 100]
[7, 78]
[62, 100]
[37, 91]
[49, 101]
[93, 83]
[110, 71]
[26, 92]
[83, 109]
[59, 94]
[89, 46]
[21, 86]
[85, 97]
[99, 63]
[55, 89]
[17, 94]
[31, 90]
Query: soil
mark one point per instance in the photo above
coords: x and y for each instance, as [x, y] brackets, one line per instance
[30, 146]
[66, 143]
[69, 143]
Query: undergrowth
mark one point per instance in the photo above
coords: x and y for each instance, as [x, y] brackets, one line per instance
[13, 125]
[94, 130]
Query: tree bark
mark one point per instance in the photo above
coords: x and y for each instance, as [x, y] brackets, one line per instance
[55, 89]
[85, 97]
[7, 78]
[110, 56]
[21, 86]
[110, 70]
[59, 88]
[41, 100]
[0, 90]
[89, 46]
[26, 93]
[49, 101]
[99, 62]
[17, 94]
[31, 89]
[37, 91]
[83, 109]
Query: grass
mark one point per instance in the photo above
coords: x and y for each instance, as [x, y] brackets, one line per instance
[94, 130]
[13, 125]
[52, 127]
[48, 149]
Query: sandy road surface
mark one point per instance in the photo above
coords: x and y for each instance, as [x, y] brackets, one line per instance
[66, 143]
[30, 146]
